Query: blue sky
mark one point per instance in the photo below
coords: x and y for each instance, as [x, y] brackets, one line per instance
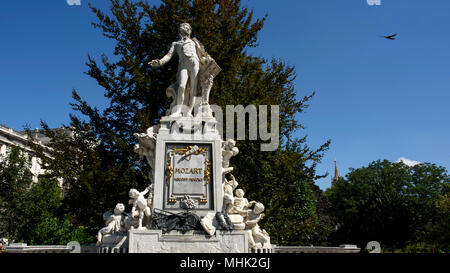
[375, 98]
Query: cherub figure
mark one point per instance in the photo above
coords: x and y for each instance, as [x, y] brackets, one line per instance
[257, 237]
[228, 198]
[114, 222]
[146, 146]
[229, 150]
[140, 204]
[240, 203]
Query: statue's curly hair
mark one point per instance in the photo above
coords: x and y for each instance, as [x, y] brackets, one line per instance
[188, 25]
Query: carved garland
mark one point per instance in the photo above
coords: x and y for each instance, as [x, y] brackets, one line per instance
[208, 172]
[169, 171]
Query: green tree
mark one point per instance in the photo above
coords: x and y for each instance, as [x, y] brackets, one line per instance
[15, 178]
[45, 221]
[436, 233]
[388, 202]
[96, 176]
[31, 212]
[52, 230]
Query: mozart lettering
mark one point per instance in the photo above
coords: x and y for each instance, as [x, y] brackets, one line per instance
[188, 172]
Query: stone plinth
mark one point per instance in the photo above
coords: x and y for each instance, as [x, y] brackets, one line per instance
[188, 162]
[114, 243]
[153, 241]
[316, 249]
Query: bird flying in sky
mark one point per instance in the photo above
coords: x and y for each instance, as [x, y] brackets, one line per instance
[390, 37]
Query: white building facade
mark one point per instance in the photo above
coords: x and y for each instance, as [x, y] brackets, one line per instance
[10, 137]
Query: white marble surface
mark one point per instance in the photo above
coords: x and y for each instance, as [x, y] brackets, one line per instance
[188, 132]
[153, 241]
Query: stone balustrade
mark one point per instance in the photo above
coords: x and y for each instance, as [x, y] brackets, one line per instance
[24, 248]
[317, 249]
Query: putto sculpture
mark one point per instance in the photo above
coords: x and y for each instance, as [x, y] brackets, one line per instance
[196, 71]
[146, 146]
[229, 150]
[114, 222]
[257, 237]
[240, 203]
[140, 205]
[228, 198]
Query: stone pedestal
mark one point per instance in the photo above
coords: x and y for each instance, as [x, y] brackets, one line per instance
[154, 241]
[114, 243]
[188, 162]
[189, 192]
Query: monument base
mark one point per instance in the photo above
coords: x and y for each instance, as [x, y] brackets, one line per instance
[154, 241]
[113, 243]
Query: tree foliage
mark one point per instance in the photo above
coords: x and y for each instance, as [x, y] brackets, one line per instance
[27, 207]
[391, 203]
[15, 178]
[97, 176]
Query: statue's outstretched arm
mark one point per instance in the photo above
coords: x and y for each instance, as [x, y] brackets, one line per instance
[145, 191]
[165, 59]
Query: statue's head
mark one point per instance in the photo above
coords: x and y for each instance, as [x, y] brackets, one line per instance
[239, 193]
[119, 209]
[185, 29]
[231, 143]
[258, 208]
[133, 193]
